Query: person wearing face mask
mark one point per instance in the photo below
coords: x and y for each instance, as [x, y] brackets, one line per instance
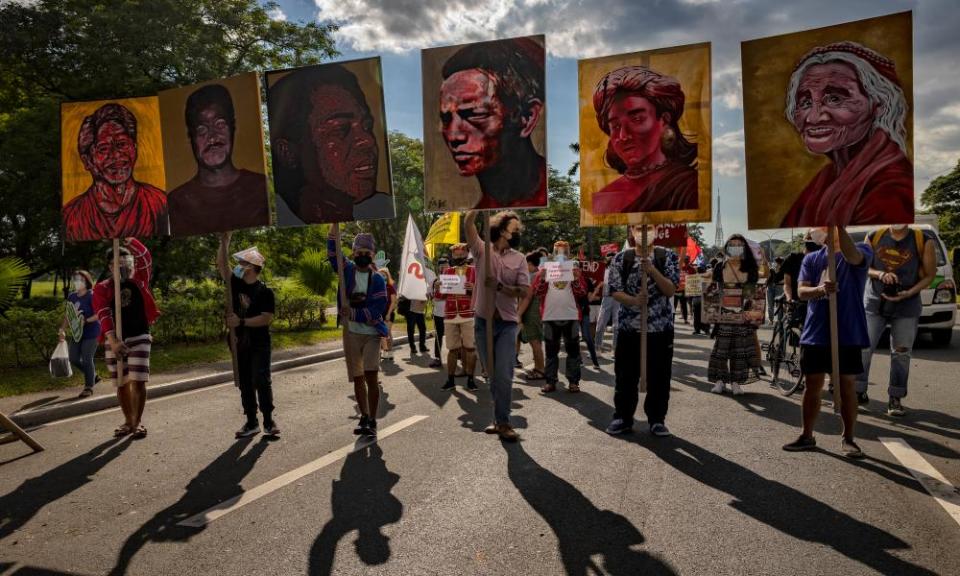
[458, 312]
[904, 264]
[253, 309]
[734, 349]
[138, 311]
[790, 269]
[608, 306]
[561, 314]
[364, 313]
[82, 350]
[509, 281]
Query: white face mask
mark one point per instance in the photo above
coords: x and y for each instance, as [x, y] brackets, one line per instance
[79, 283]
[735, 251]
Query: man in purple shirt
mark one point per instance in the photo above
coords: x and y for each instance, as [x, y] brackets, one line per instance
[510, 281]
[815, 357]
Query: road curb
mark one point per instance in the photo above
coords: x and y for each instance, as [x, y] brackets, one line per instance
[69, 409]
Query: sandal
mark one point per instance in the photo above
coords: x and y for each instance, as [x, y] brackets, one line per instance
[533, 374]
[140, 432]
[121, 430]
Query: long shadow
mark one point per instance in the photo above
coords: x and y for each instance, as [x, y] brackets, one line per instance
[777, 505]
[583, 531]
[23, 503]
[361, 501]
[36, 403]
[218, 481]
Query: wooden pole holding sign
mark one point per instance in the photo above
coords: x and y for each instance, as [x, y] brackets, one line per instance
[643, 313]
[832, 303]
[491, 297]
[19, 433]
[228, 307]
[117, 306]
[342, 288]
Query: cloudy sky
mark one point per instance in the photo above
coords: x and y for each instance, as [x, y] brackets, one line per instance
[398, 29]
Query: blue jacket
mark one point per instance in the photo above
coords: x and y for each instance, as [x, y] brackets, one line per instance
[376, 305]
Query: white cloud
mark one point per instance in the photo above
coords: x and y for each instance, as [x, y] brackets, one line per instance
[277, 14]
[728, 159]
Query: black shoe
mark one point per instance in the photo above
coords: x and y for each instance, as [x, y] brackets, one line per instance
[449, 385]
[271, 429]
[800, 444]
[863, 399]
[361, 427]
[251, 428]
[97, 379]
[471, 384]
[371, 428]
[423, 350]
[895, 408]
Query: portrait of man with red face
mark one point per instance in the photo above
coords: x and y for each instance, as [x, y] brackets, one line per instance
[219, 195]
[487, 106]
[115, 205]
[328, 144]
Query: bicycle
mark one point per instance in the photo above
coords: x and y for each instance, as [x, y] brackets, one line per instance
[783, 351]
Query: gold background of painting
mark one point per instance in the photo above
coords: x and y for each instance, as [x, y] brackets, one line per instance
[368, 75]
[149, 167]
[690, 65]
[445, 190]
[778, 164]
[248, 150]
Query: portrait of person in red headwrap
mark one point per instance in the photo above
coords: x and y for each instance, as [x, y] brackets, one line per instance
[846, 103]
[115, 205]
[640, 109]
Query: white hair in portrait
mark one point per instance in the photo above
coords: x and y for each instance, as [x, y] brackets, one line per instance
[892, 110]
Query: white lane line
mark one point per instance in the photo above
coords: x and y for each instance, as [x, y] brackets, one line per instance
[929, 477]
[228, 506]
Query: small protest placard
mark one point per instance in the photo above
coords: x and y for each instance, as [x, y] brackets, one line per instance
[693, 286]
[452, 284]
[733, 303]
[559, 271]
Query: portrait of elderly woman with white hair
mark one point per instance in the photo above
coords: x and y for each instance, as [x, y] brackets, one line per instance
[846, 103]
[640, 110]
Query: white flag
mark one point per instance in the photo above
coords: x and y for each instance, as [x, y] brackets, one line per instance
[416, 278]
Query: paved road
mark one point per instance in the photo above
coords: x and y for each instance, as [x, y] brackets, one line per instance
[441, 497]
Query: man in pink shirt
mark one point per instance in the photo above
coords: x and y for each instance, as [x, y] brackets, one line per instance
[509, 280]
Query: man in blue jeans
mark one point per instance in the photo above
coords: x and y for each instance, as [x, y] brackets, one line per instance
[508, 281]
[903, 264]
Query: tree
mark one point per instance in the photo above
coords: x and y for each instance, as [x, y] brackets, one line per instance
[53, 51]
[942, 197]
[560, 220]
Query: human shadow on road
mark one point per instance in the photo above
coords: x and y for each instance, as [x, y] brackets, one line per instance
[361, 501]
[218, 481]
[776, 505]
[22, 504]
[583, 531]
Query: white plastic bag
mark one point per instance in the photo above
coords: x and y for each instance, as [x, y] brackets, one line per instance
[60, 362]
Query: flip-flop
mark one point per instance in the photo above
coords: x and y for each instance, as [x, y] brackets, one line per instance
[140, 432]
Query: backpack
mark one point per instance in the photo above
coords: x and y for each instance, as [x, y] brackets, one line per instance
[920, 239]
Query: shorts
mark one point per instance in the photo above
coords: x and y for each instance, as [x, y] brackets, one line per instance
[815, 359]
[460, 335]
[136, 365]
[362, 353]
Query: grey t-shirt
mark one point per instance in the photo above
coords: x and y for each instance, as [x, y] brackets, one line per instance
[903, 258]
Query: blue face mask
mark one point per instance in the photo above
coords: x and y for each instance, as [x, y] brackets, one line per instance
[238, 271]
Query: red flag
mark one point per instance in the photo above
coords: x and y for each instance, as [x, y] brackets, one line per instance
[693, 249]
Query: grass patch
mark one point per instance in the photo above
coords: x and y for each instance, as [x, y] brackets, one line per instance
[163, 358]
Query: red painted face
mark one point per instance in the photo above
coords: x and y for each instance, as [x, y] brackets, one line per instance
[113, 154]
[342, 142]
[212, 141]
[635, 129]
[472, 120]
[832, 110]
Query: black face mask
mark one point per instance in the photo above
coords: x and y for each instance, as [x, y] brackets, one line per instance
[459, 261]
[811, 246]
[514, 240]
[363, 260]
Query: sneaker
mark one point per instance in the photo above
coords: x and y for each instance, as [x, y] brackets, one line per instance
[361, 426]
[863, 399]
[736, 389]
[271, 429]
[449, 385]
[371, 428]
[850, 448]
[491, 429]
[717, 388]
[619, 426]
[86, 393]
[800, 444]
[660, 429]
[436, 363]
[251, 428]
[471, 384]
[388, 355]
[895, 408]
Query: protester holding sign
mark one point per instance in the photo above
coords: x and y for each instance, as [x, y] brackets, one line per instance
[734, 350]
[561, 315]
[363, 311]
[457, 297]
[138, 311]
[85, 330]
[815, 354]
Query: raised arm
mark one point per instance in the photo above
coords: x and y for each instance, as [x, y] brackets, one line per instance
[849, 248]
[143, 262]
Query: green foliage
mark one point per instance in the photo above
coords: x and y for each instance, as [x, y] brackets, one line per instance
[942, 197]
[29, 336]
[298, 308]
[13, 275]
[560, 220]
[314, 272]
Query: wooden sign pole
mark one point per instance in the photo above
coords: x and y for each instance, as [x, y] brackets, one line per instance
[643, 315]
[117, 306]
[832, 303]
[342, 288]
[228, 307]
[19, 433]
[491, 298]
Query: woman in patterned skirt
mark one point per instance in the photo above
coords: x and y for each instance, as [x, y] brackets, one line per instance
[734, 350]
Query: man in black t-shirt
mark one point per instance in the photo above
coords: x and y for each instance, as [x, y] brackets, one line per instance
[253, 309]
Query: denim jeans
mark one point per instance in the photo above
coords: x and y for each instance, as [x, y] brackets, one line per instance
[81, 356]
[588, 336]
[504, 356]
[903, 331]
[608, 317]
[553, 332]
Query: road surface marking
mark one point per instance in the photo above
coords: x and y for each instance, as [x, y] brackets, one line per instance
[228, 506]
[929, 477]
